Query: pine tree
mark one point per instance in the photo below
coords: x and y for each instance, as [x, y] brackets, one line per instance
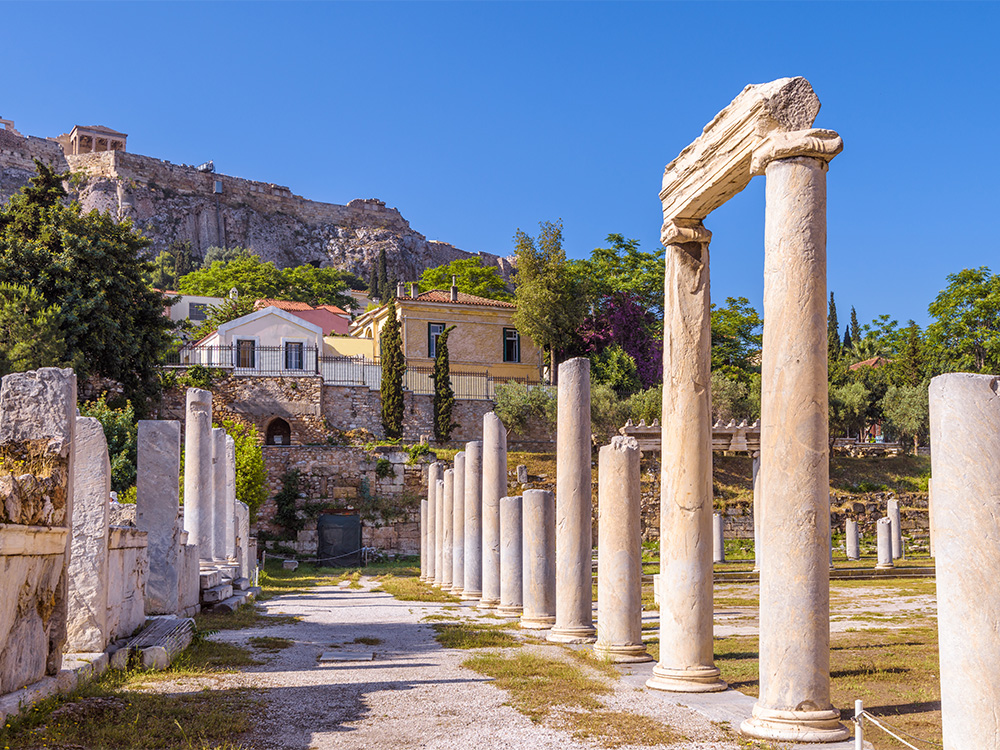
[833, 331]
[393, 368]
[444, 396]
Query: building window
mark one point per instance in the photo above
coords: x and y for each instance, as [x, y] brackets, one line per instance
[198, 311]
[293, 355]
[246, 353]
[433, 331]
[511, 345]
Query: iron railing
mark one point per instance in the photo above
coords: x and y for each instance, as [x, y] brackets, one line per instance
[335, 370]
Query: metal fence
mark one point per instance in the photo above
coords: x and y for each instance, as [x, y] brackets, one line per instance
[335, 370]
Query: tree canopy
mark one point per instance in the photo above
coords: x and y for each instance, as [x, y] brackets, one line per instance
[623, 268]
[965, 334]
[472, 277]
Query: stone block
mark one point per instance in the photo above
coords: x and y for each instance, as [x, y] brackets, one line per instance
[290, 564]
[216, 593]
[241, 584]
[155, 657]
[157, 505]
[232, 603]
[210, 579]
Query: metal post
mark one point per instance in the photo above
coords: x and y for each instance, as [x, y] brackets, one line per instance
[859, 734]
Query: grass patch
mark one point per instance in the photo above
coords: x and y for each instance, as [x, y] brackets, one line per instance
[367, 640]
[473, 635]
[538, 685]
[586, 656]
[107, 715]
[247, 616]
[270, 643]
[618, 728]
[206, 655]
[412, 589]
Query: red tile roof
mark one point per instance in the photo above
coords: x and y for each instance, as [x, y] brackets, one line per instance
[873, 362]
[332, 308]
[281, 304]
[438, 295]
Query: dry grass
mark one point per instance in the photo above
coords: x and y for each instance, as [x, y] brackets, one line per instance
[618, 728]
[367, 640]
[473, 635]
[270, 644]
[247, 616]
[412, 589]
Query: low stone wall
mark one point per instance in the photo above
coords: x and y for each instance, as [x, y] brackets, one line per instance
[188, 580]
[128, 568]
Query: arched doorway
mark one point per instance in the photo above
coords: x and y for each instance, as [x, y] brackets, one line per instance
[278, 432]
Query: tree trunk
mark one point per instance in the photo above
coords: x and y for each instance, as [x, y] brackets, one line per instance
[553, 373]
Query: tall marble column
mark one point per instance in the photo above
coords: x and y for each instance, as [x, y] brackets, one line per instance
[892, 513]
[458, 526]
[574, 508]
[473, 587]
[423, 539]
[686, 604]
[794, 703]
[883, 539]
[448, 513]
[718, 538]
[230, 499]
[619, 553]
[439, 532]
[219, 520]
[494, 487]
[538, 595]
[758, 499]
[511, 557]
[199, 481]
[429, 539]
[965, 461]
[851, 540]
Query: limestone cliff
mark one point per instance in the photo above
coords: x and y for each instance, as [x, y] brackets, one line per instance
[171, 202]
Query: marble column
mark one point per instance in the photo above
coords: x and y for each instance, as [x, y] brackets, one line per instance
[930, 515]
[156, 509]
[965, 462]
[473, 587]
[794, 702]
[851, 540]
[892, 513]
[511, 557]
[538, 588]
[758, 499]
[574, 508]
[458, 526]
[439, 532]
[199, 480]
[718, 538]
[448, 512]
[494, 487]
[230, 498]
[686, 604]
[433, 475]
[219, 519]
[883, 531]
[619, 553]
[423, 539]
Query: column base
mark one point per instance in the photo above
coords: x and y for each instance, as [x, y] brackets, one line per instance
[537, 623]
[489, 603]
[509, 611]
[578, 634]
[422, 579]
[621, 654]
[471, 596]
[795, 726]
[456, 591]
[890, 566]
[699, 680]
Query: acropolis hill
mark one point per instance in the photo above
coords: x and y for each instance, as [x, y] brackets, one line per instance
[177, 202]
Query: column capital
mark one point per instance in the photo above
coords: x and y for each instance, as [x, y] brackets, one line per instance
[676, 231]
[814, 142]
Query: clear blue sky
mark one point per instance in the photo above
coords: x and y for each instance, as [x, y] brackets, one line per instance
[475, 119]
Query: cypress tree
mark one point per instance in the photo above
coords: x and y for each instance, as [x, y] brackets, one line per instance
[833, 330]
[384, 292]
[373, 291]
[855, 328]
[846, 346]
[444, 396]
[393, 367]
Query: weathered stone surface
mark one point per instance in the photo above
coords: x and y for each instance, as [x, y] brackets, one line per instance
[447, 529]
[242, 523]
[852, 542]
[229, 501]
[87, 615]
[189, 584]
[538, 511]
[128, 572]
[430, 533]
[221, 520]
[965, 412]
[217, 593]
[199, 511]
[472, 589]
[458, 526]
[494, 487]
[511, 557]
[619, 554]
[892, 513]
[884, 541]
[574, 500]
[439, 543]
[718, 538]
[157, 506]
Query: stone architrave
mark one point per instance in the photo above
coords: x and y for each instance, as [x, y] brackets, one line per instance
[447, 520]
[430, 538]
[619, 553]
[458, 526]
[718, 538]
[965, 461]
[38, 418]
[538, 588]
[472, 590]
[892, 513]
[851, 540]
[87, 625]
[511, 557]
[574, 508]
[199, 479]
[883, 531]
[494, 487]
[686, 600]
[758, 499]
[794, 702]
[220, 520]
[156, 509]
[229, 502]
[439, 531]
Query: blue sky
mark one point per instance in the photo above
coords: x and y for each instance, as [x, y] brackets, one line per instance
[475, 119]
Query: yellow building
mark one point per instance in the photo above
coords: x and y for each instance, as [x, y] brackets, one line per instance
[484, 341]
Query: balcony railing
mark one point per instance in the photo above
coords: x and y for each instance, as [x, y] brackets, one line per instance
[335, 370]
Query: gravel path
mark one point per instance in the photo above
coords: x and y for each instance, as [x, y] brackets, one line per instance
[414, 694]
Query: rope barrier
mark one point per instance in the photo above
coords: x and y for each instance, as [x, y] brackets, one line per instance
[860, 714]
[364, 551]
